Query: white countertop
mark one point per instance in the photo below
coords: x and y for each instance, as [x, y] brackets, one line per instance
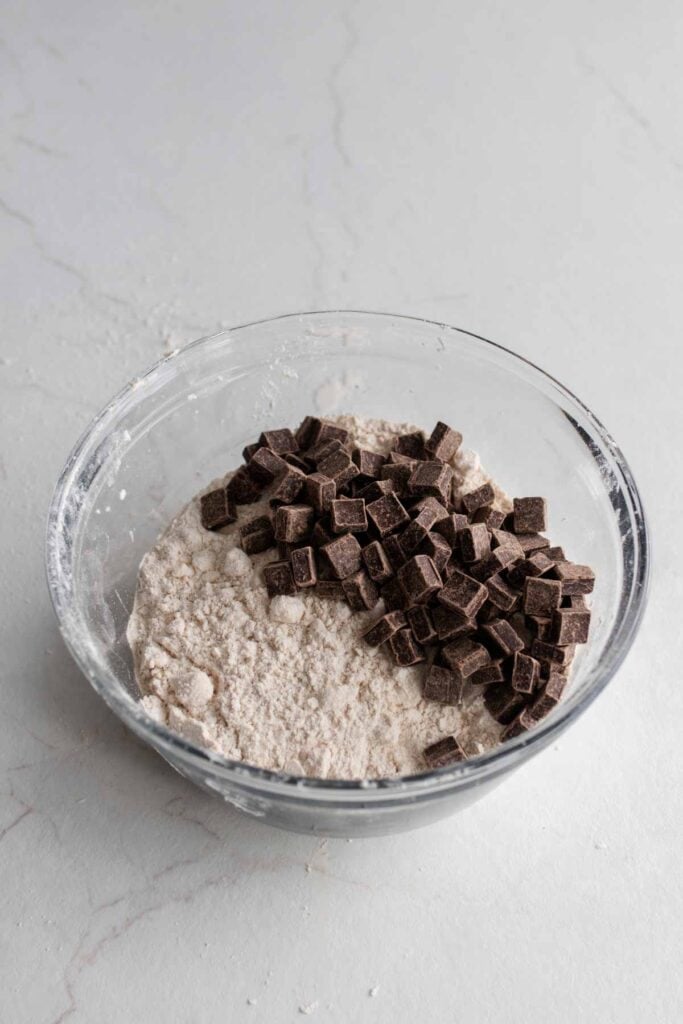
[516, 169]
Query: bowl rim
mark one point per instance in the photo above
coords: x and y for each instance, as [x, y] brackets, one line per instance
[416, 786]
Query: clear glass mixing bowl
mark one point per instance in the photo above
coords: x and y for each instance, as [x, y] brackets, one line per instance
[186, 421]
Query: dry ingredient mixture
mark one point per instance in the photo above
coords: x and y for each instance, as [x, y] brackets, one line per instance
[282, 660]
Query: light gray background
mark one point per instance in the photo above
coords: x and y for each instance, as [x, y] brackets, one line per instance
[166, 168]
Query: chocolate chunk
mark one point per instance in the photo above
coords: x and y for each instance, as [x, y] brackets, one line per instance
[505, 539]
[394, 552]
[575, 579]
[574, 601]
[376, 489]
[502, 702]
[531, 542]
[330, 590]
[465, 656]
[553, 654]
[404, 648]
[399, 475]
[360, 591]
[443, 442]
[433, 478]
[284, 550]
[419, 579]
[450, 527]
[289, 485]
[549, 697]
[303, 567]
[540, 626]
[529, 515]
[338, 467]
[521, 724]
[279, 441]
[217, 509]
[463, 594]
[489, 516]
[445, 752]
[412, 536]
[249, 450]
[474, 542]
[343, 555]
[525, 673]
[449, 624]
[306, 432]
[429, 511]
[442, 685]
[320, 492]
[330, 431]
[320, 535]
[556, 554]
[420, 621]
[488, 674]
[504, 635]
[437, 549]
[376, 562]
[384, 628]
[324, 449]
[387, 514]
[347, 515]
[478, 499]
[537, 564]
[500, 594]
[293, 523]
[570, 626]
[257, 535]
[393, 596]
[264, 466]
[541, 596]
[369, 463]
[279, 579]
[242, 488]
[298, 461]
[412, 445]
[396, 459]
[499, 559]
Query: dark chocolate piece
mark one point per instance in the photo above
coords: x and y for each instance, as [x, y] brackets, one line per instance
[320, 491]
[488, 674]
[412, 536]
[360, 591]
[419, 579]
[279, 579]
[394, 552]
[475, 542]
[535, 565]
[306, 432]
[437, 549]
[343, 555]
[575, 579]
[289, 485]
[541, 596]
[303, 567]
[298, 461]
[465, 656]
[265, 465]
[347, 515]
[330, 431]
[376, 489]
[324, 449]
[445, 752]
[505, 539]
[279, 441]
[217, 509]
[499, 559]
[412, 445]
[529, 515]
[442, 685]
[489, 516]
[478, 499]
[504, 635]
[338, 467]
[369, 463]
[500, 594]
[320, 534]
[404, 648]
[463, 594]
[540, 626]
[398, 475]
[393, 596]
[242, 488]
[556, 554]
[431, 478]
[574, 601]
[420, 621]
[450, 624]
[376, 562]
[531, 542]
[293, 523]
[450, 527]
[257, 535]
[329, 589]
[550, 696]
[384, 628]
[570, 626]
[387, 514]
[525, 673]
[443, 442]
[396, 459]
[249, 450]
[429, 511]
[522, 723]
[560, 657]
[502, 702]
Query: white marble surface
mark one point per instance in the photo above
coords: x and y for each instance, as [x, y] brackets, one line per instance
[516, 169]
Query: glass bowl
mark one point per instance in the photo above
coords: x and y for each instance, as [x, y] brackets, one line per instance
[185, 423]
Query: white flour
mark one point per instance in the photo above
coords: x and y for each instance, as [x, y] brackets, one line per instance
[286, 684]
